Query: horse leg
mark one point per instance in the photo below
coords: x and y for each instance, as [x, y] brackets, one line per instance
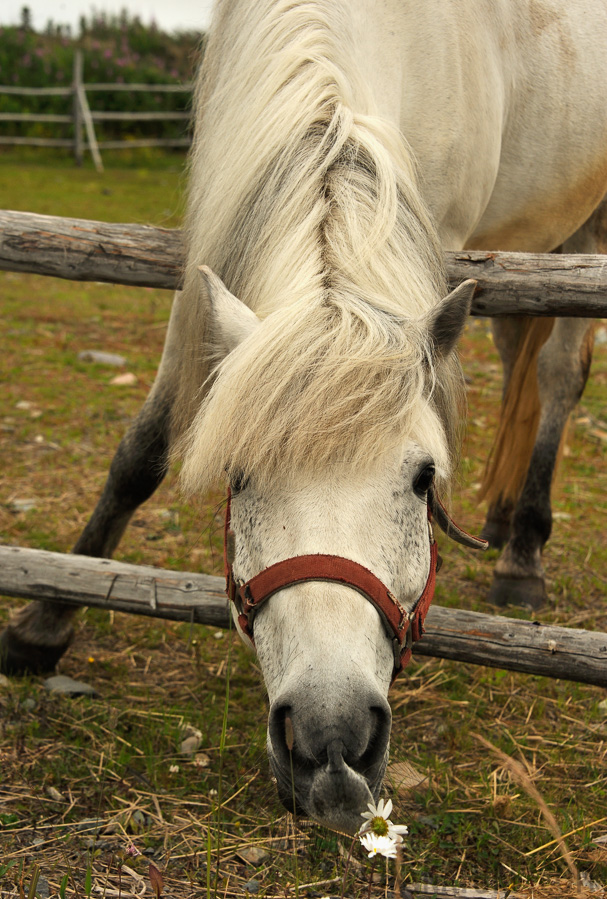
[507, 335]
[38, 635]
[562, 371]
[563, 364]
[519, 340]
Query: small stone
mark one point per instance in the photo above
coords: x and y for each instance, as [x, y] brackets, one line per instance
[54, 794]
[89, 825]
[94, 843]
[592, 885]
[253, 855]
[202, 760]
[59, 683]
[102, 358]
[23, 404]
[4, 682]
[28, 705]
[43, 890]
[252, 886]
[23, 505]
[405, 777]
[188, 730]
[190, 745]
[137, 822]
[125, 380]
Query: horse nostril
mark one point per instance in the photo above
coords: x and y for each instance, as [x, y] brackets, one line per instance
[380, 718]
[282, 734]
[303, 739]
[289, 735]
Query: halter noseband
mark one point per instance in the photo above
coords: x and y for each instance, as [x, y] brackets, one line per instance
[404, 628]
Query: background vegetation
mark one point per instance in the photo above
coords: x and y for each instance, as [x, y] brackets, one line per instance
[84, 780]
[116, 49]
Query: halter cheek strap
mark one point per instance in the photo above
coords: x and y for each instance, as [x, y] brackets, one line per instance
[403, 627]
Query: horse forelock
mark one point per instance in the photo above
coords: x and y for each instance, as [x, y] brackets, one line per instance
[336, 382]
[320, 228]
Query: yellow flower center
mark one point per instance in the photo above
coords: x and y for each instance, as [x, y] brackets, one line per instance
[379, 826]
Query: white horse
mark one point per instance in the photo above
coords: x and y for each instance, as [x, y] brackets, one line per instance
[339, 148]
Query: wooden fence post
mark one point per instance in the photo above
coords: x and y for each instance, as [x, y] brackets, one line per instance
[76, 86]
[88, 124]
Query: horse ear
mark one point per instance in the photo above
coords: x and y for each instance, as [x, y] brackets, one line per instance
[447, 320]
[231, 320]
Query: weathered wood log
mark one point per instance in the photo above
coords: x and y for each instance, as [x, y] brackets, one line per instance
[107, 584]
[533, 283]
[35, 117]
[82, 250]
[471, 637]
[444, 892]
[37, 91]
[175, 116]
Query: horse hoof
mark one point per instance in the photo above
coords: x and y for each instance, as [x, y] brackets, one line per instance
[18, 657]
[527, 592]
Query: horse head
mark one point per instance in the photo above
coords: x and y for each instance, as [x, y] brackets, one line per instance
[327, 654]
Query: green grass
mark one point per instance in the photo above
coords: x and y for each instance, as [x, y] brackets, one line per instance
[115, 761]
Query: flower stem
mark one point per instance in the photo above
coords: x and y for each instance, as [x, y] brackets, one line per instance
[373, 863]
[348, 857]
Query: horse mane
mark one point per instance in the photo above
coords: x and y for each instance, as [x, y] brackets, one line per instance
[304, 201]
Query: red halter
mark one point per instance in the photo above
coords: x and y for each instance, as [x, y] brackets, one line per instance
[403, 627]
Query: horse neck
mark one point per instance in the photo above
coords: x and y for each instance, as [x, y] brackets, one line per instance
[318, 198]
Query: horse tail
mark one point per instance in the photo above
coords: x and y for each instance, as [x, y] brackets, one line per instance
[510, 455]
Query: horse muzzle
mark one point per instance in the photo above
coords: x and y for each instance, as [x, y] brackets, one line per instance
[329, 759]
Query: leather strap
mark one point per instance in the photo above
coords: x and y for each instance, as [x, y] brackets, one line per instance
[403, 627]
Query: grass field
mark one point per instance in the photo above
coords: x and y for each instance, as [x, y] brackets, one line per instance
[83, 781]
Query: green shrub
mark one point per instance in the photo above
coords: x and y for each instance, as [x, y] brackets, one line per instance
[116, 50]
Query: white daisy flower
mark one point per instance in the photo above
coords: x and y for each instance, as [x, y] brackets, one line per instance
[377, 845]
[378, 822]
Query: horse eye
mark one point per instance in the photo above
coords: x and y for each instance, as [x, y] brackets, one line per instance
[423, 481]
[238, 482]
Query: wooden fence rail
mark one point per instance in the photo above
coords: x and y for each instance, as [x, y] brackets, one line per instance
[471, 637]
[81, 116]
[139, 255]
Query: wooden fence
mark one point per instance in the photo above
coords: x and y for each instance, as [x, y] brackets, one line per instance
[509, 283]
[139, 255]
[471, 637]
[83, 118]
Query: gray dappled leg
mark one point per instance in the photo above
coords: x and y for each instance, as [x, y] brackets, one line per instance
[507, 335]
[39, 633]
[563, 367]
